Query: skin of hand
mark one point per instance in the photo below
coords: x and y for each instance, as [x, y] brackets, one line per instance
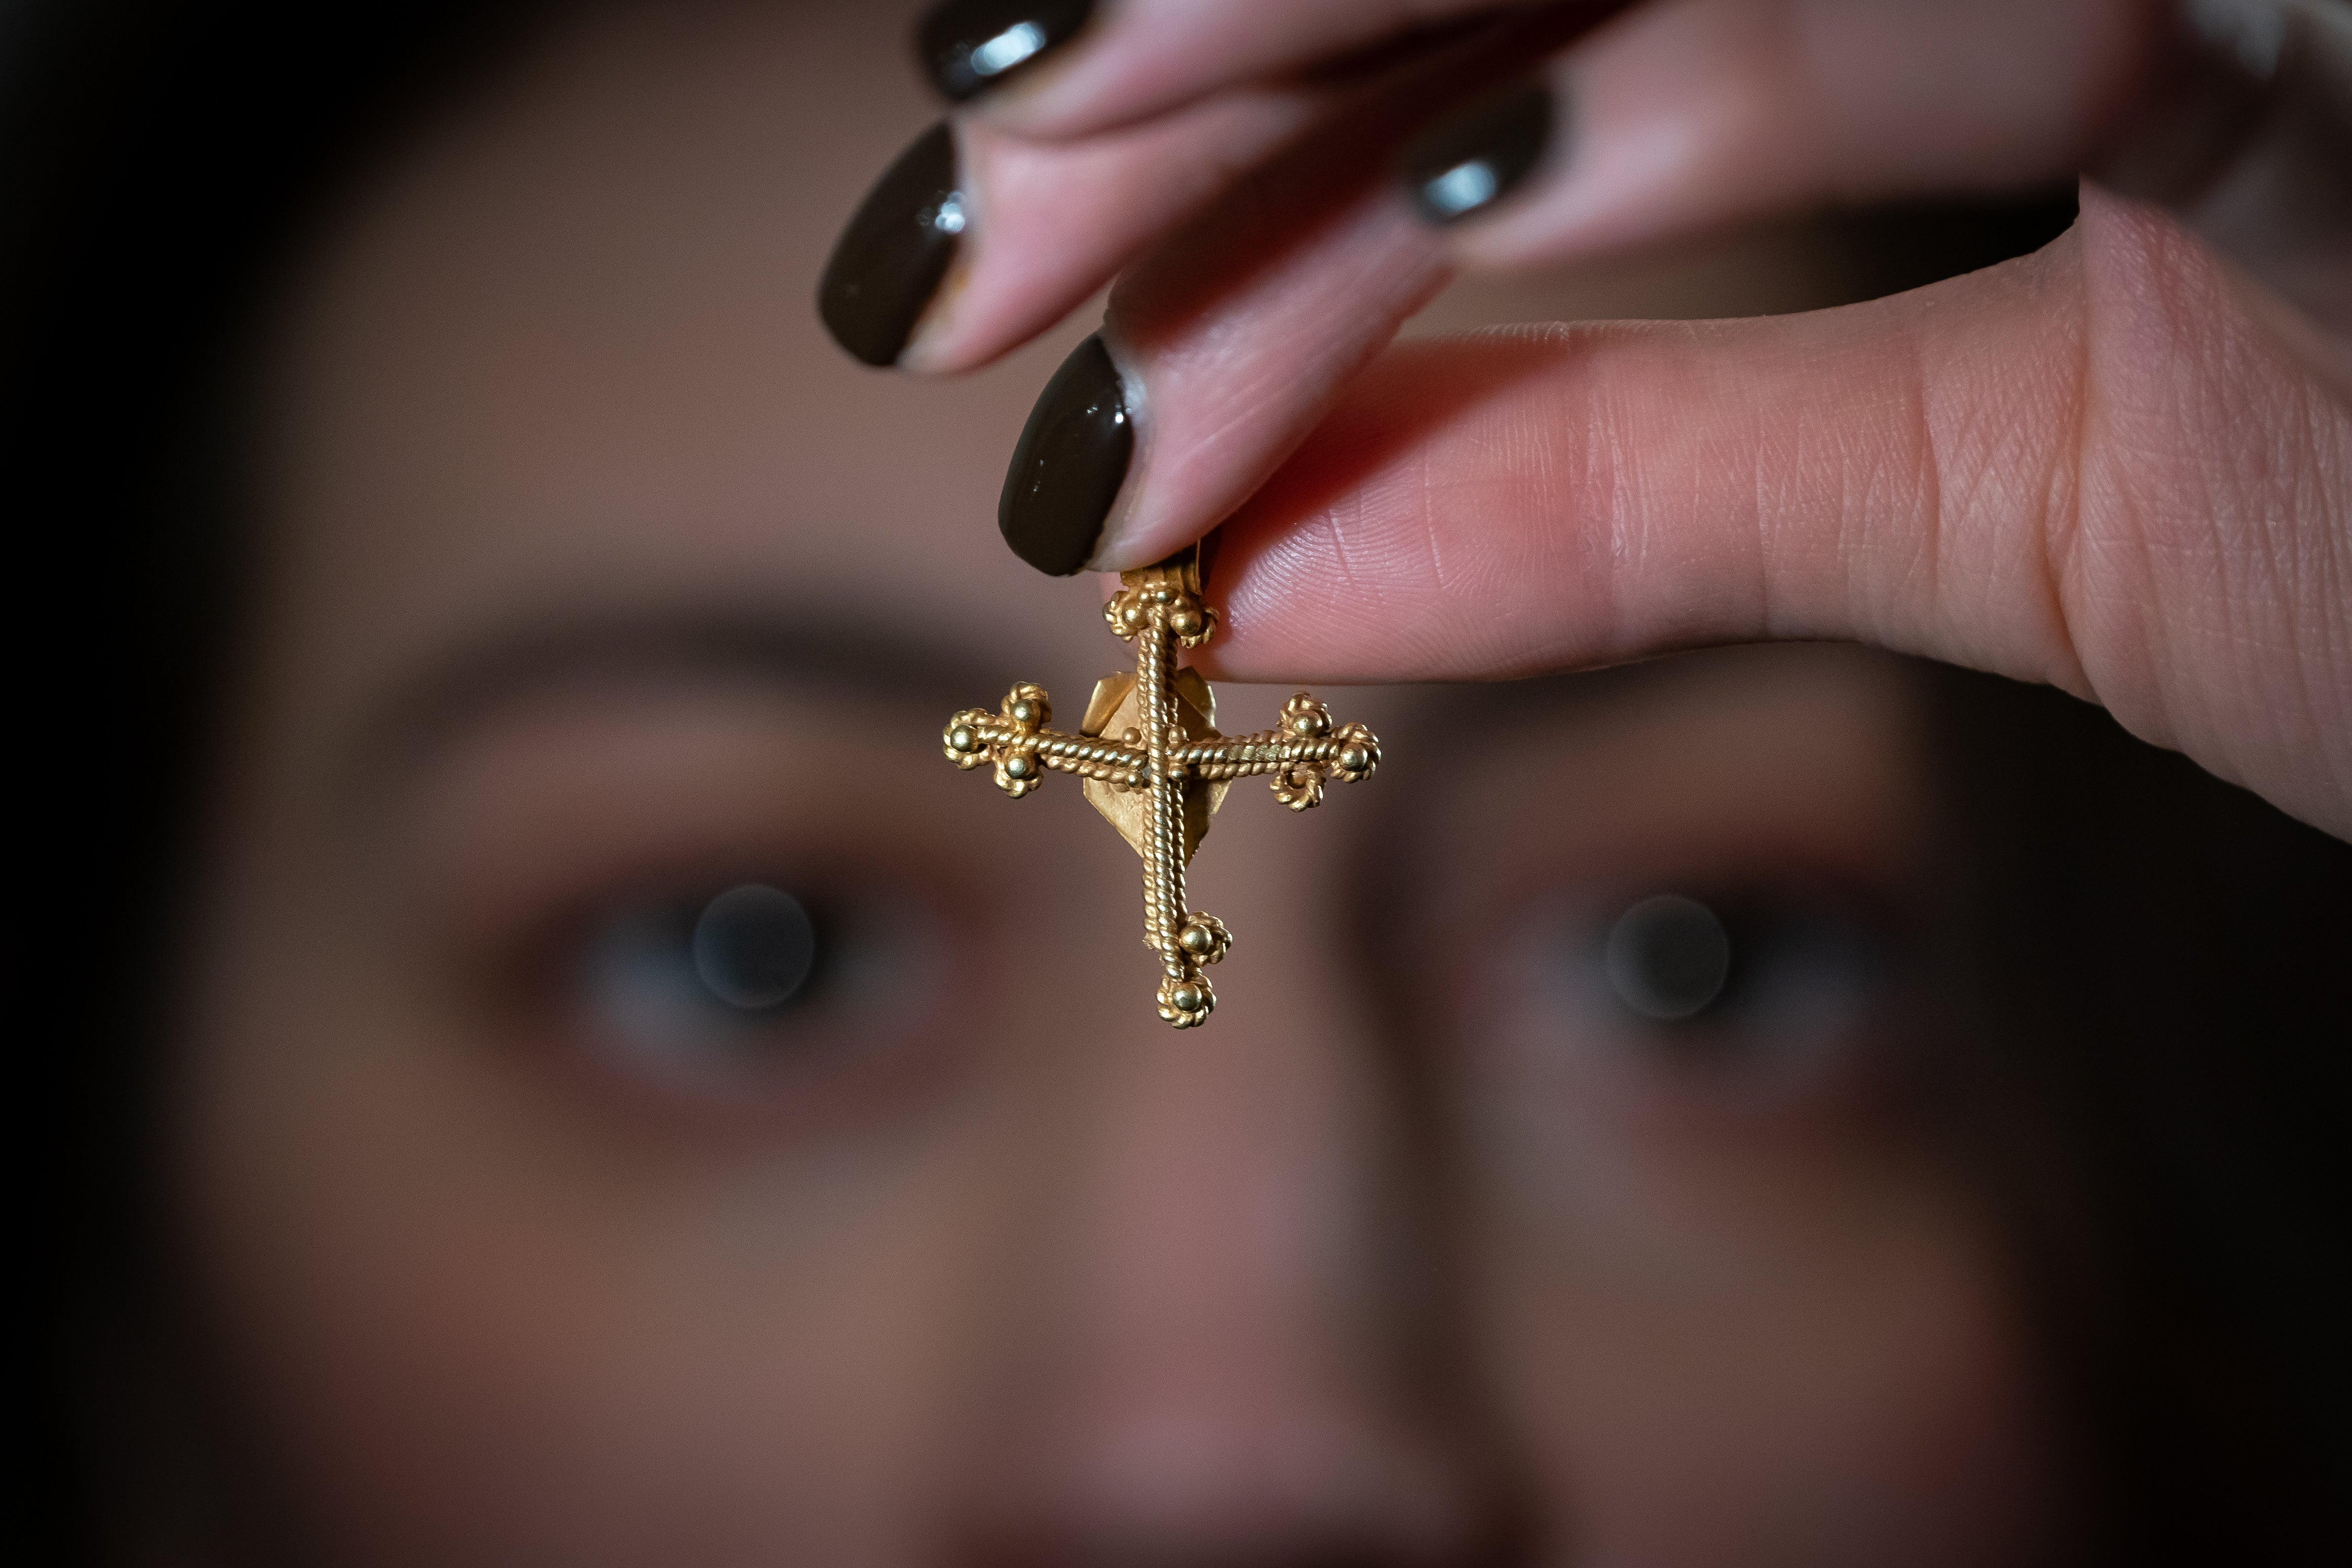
[2122, 465]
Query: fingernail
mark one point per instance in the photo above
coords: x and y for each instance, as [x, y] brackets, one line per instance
[890, 259]
[1467, 162]
[1072, 459]
[967, 46]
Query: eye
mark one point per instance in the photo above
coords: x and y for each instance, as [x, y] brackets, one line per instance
[754, 947]
[1772, 981]
[750, 977]
[1667, 957]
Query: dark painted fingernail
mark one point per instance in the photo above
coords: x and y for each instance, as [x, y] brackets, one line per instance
[967, 46]
[888, 262]
[1467, 163]
[1072, 459]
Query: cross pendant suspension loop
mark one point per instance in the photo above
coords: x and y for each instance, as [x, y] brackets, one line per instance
[1150, 759]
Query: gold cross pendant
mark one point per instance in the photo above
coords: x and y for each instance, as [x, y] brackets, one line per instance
[1149, 757]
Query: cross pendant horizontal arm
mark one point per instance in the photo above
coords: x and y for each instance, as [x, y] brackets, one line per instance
[1024, 751]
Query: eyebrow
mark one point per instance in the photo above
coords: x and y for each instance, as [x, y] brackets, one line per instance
[855, 658]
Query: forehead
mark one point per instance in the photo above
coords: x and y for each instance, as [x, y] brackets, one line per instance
[564, 351]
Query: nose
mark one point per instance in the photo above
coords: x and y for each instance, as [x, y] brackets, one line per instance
[1222, 1341]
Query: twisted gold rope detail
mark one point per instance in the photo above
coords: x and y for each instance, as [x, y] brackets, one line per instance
[1160, 610]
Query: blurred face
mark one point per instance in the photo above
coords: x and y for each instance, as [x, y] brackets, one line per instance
[639, 1104]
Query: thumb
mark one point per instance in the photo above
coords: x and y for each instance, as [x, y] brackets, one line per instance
[2089, 467]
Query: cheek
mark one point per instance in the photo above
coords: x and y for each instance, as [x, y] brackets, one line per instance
[476, 1325]
[1758, 1356]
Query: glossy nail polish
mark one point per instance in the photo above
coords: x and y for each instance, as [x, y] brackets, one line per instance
[967, 46]
[1072, 459]
[1468, 162]
[888, 262]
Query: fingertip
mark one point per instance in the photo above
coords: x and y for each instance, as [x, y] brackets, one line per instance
[885, 275]
[971, 49]
[938, 345]
[1479, 157]
[1070, 465]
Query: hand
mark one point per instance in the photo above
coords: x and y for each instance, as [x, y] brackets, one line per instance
[2122, 465]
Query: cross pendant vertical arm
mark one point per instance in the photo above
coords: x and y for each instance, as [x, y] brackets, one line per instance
[1160, 608]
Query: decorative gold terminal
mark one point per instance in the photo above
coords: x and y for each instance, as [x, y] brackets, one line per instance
[1149, 757]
